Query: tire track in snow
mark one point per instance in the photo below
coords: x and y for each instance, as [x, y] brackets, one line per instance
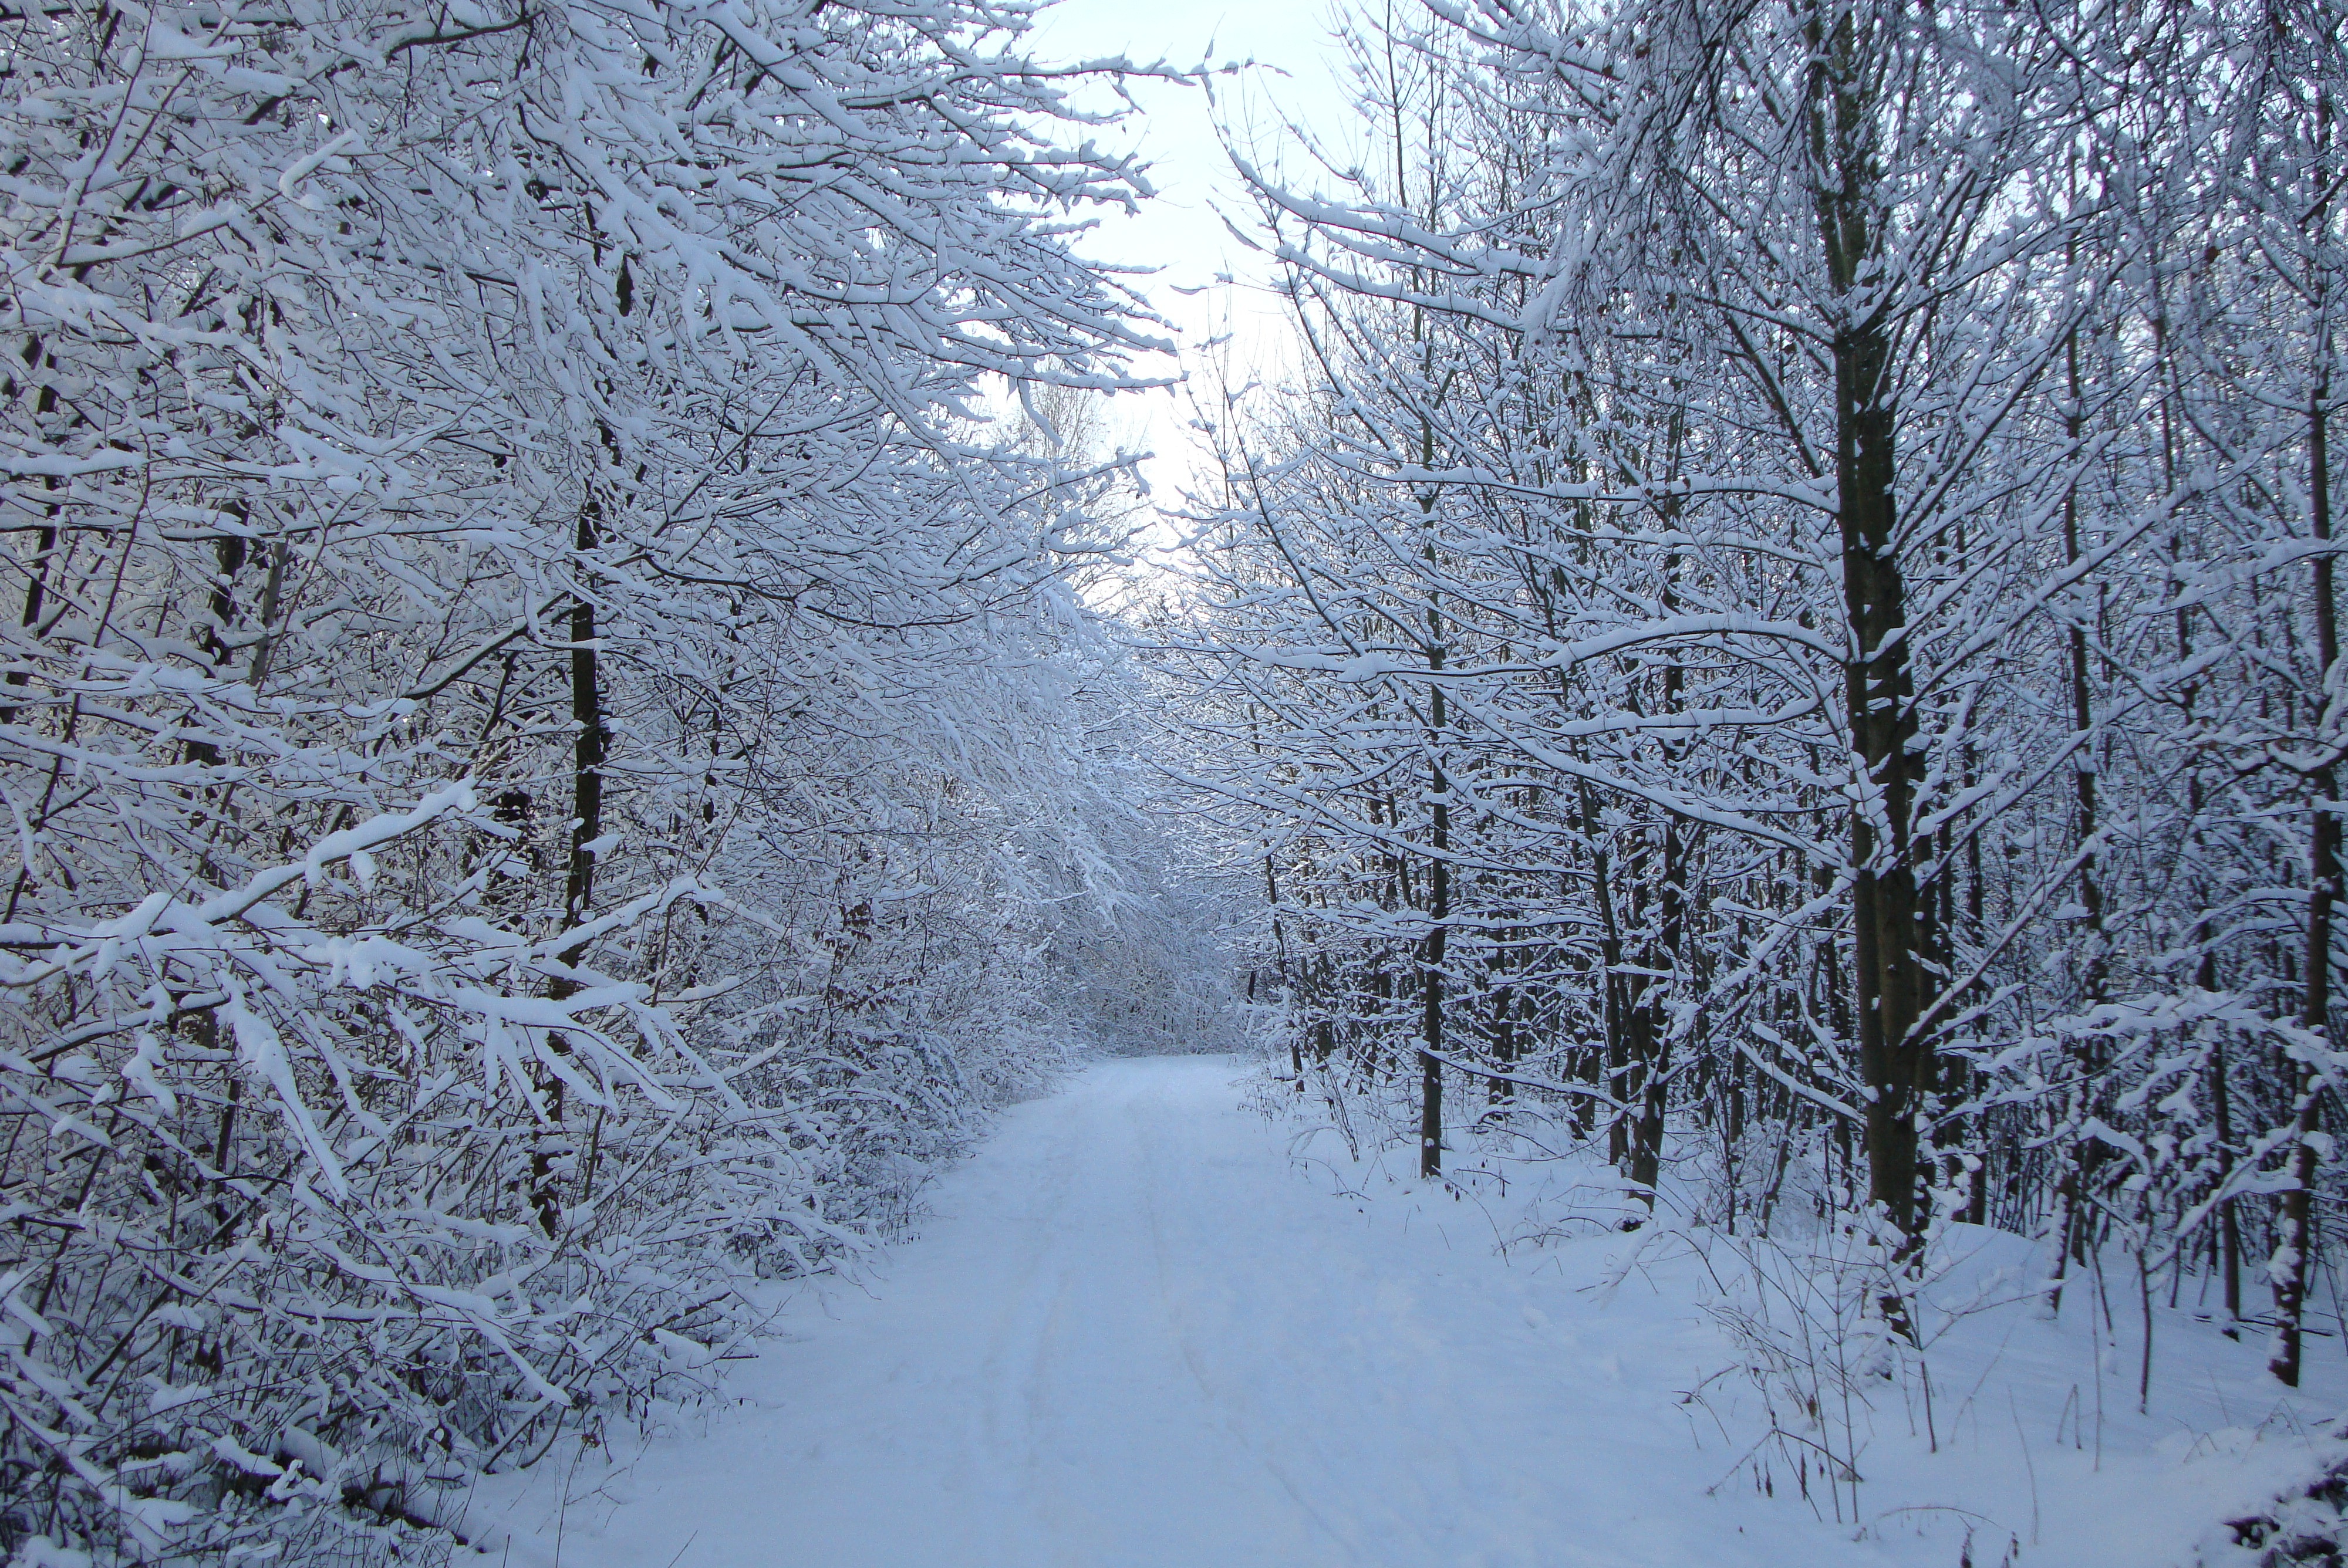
[1134, 1337]
[1220, 1405]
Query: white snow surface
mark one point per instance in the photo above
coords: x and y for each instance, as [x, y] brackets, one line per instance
[1149, 1327]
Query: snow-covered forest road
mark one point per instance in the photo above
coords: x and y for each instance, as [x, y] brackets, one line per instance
[1133, 1336]
[1133, 1333]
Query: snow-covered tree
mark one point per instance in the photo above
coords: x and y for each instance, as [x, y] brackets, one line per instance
[535, 736]
[1798, 574]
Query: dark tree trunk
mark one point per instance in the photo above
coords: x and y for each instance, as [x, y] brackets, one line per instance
[1499, 1090]
[2292, 1257]
[1652, 1032]
[588, 747]
[1438, 911]
[2230, 1225]
[2079, 1158]
[1896, 1065]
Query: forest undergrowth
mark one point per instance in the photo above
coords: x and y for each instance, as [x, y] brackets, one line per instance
[1951, 1402]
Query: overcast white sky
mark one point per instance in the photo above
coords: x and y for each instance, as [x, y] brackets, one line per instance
[1179, 231]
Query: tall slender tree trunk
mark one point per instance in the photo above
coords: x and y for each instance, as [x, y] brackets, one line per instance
[1894, 1064]
[1613, 1011]
[1653, 1035]
[2078, 1154]
[589, 740]
[2229, 1227]
[1438, 912]
[589, 744]
[2291, 1259]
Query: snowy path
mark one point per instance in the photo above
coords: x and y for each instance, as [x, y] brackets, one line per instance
[1133, 1337]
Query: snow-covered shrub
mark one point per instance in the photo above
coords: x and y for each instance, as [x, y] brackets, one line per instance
[1819, 1331]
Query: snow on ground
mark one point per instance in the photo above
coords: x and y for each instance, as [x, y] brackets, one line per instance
[1141, 1333]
